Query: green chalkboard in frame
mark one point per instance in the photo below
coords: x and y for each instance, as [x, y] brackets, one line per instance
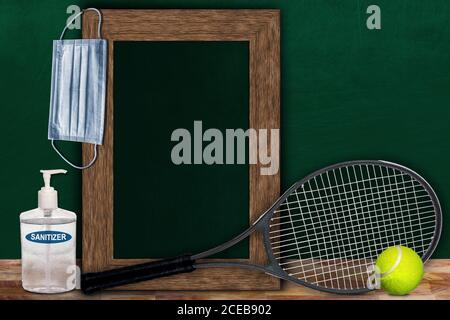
[108, 226]
[172, 207]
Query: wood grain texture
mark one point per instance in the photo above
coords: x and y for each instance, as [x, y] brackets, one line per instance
[434, 286]
[98, 181]
[261, 29]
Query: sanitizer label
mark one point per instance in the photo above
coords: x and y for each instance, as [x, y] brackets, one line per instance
[48, 237]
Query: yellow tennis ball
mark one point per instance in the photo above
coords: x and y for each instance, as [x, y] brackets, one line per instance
[401, 270]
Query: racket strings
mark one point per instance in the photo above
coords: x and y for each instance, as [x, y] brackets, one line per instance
[330, 230]
[419, 211]
[304, 202]
[341, 187]
[411, 241]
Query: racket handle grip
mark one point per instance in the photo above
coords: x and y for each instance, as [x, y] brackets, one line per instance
[95, 281]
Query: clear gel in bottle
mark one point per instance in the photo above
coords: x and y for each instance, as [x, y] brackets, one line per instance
[48, 243]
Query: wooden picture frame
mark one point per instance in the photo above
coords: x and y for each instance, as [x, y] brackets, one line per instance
[262, 30]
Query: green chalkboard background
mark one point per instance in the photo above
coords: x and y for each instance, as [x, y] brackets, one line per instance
[347, 93]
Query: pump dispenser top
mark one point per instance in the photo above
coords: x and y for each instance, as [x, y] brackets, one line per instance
[48, 196]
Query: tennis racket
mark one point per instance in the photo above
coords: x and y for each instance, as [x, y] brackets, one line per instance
[324, 232]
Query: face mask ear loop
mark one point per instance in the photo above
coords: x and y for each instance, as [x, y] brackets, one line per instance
[60, 38]
[79, 14]
[70, 163]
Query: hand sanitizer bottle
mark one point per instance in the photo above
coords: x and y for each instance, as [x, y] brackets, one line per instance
[48, 243]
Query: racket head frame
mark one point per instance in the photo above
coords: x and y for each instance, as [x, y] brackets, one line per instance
[263, 223]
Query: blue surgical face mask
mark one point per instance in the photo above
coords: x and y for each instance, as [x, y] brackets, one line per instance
[77, 102]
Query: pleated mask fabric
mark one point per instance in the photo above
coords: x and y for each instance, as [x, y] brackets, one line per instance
[77, 110]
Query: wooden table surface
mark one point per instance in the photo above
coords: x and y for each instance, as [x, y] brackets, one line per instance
[435, 285]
